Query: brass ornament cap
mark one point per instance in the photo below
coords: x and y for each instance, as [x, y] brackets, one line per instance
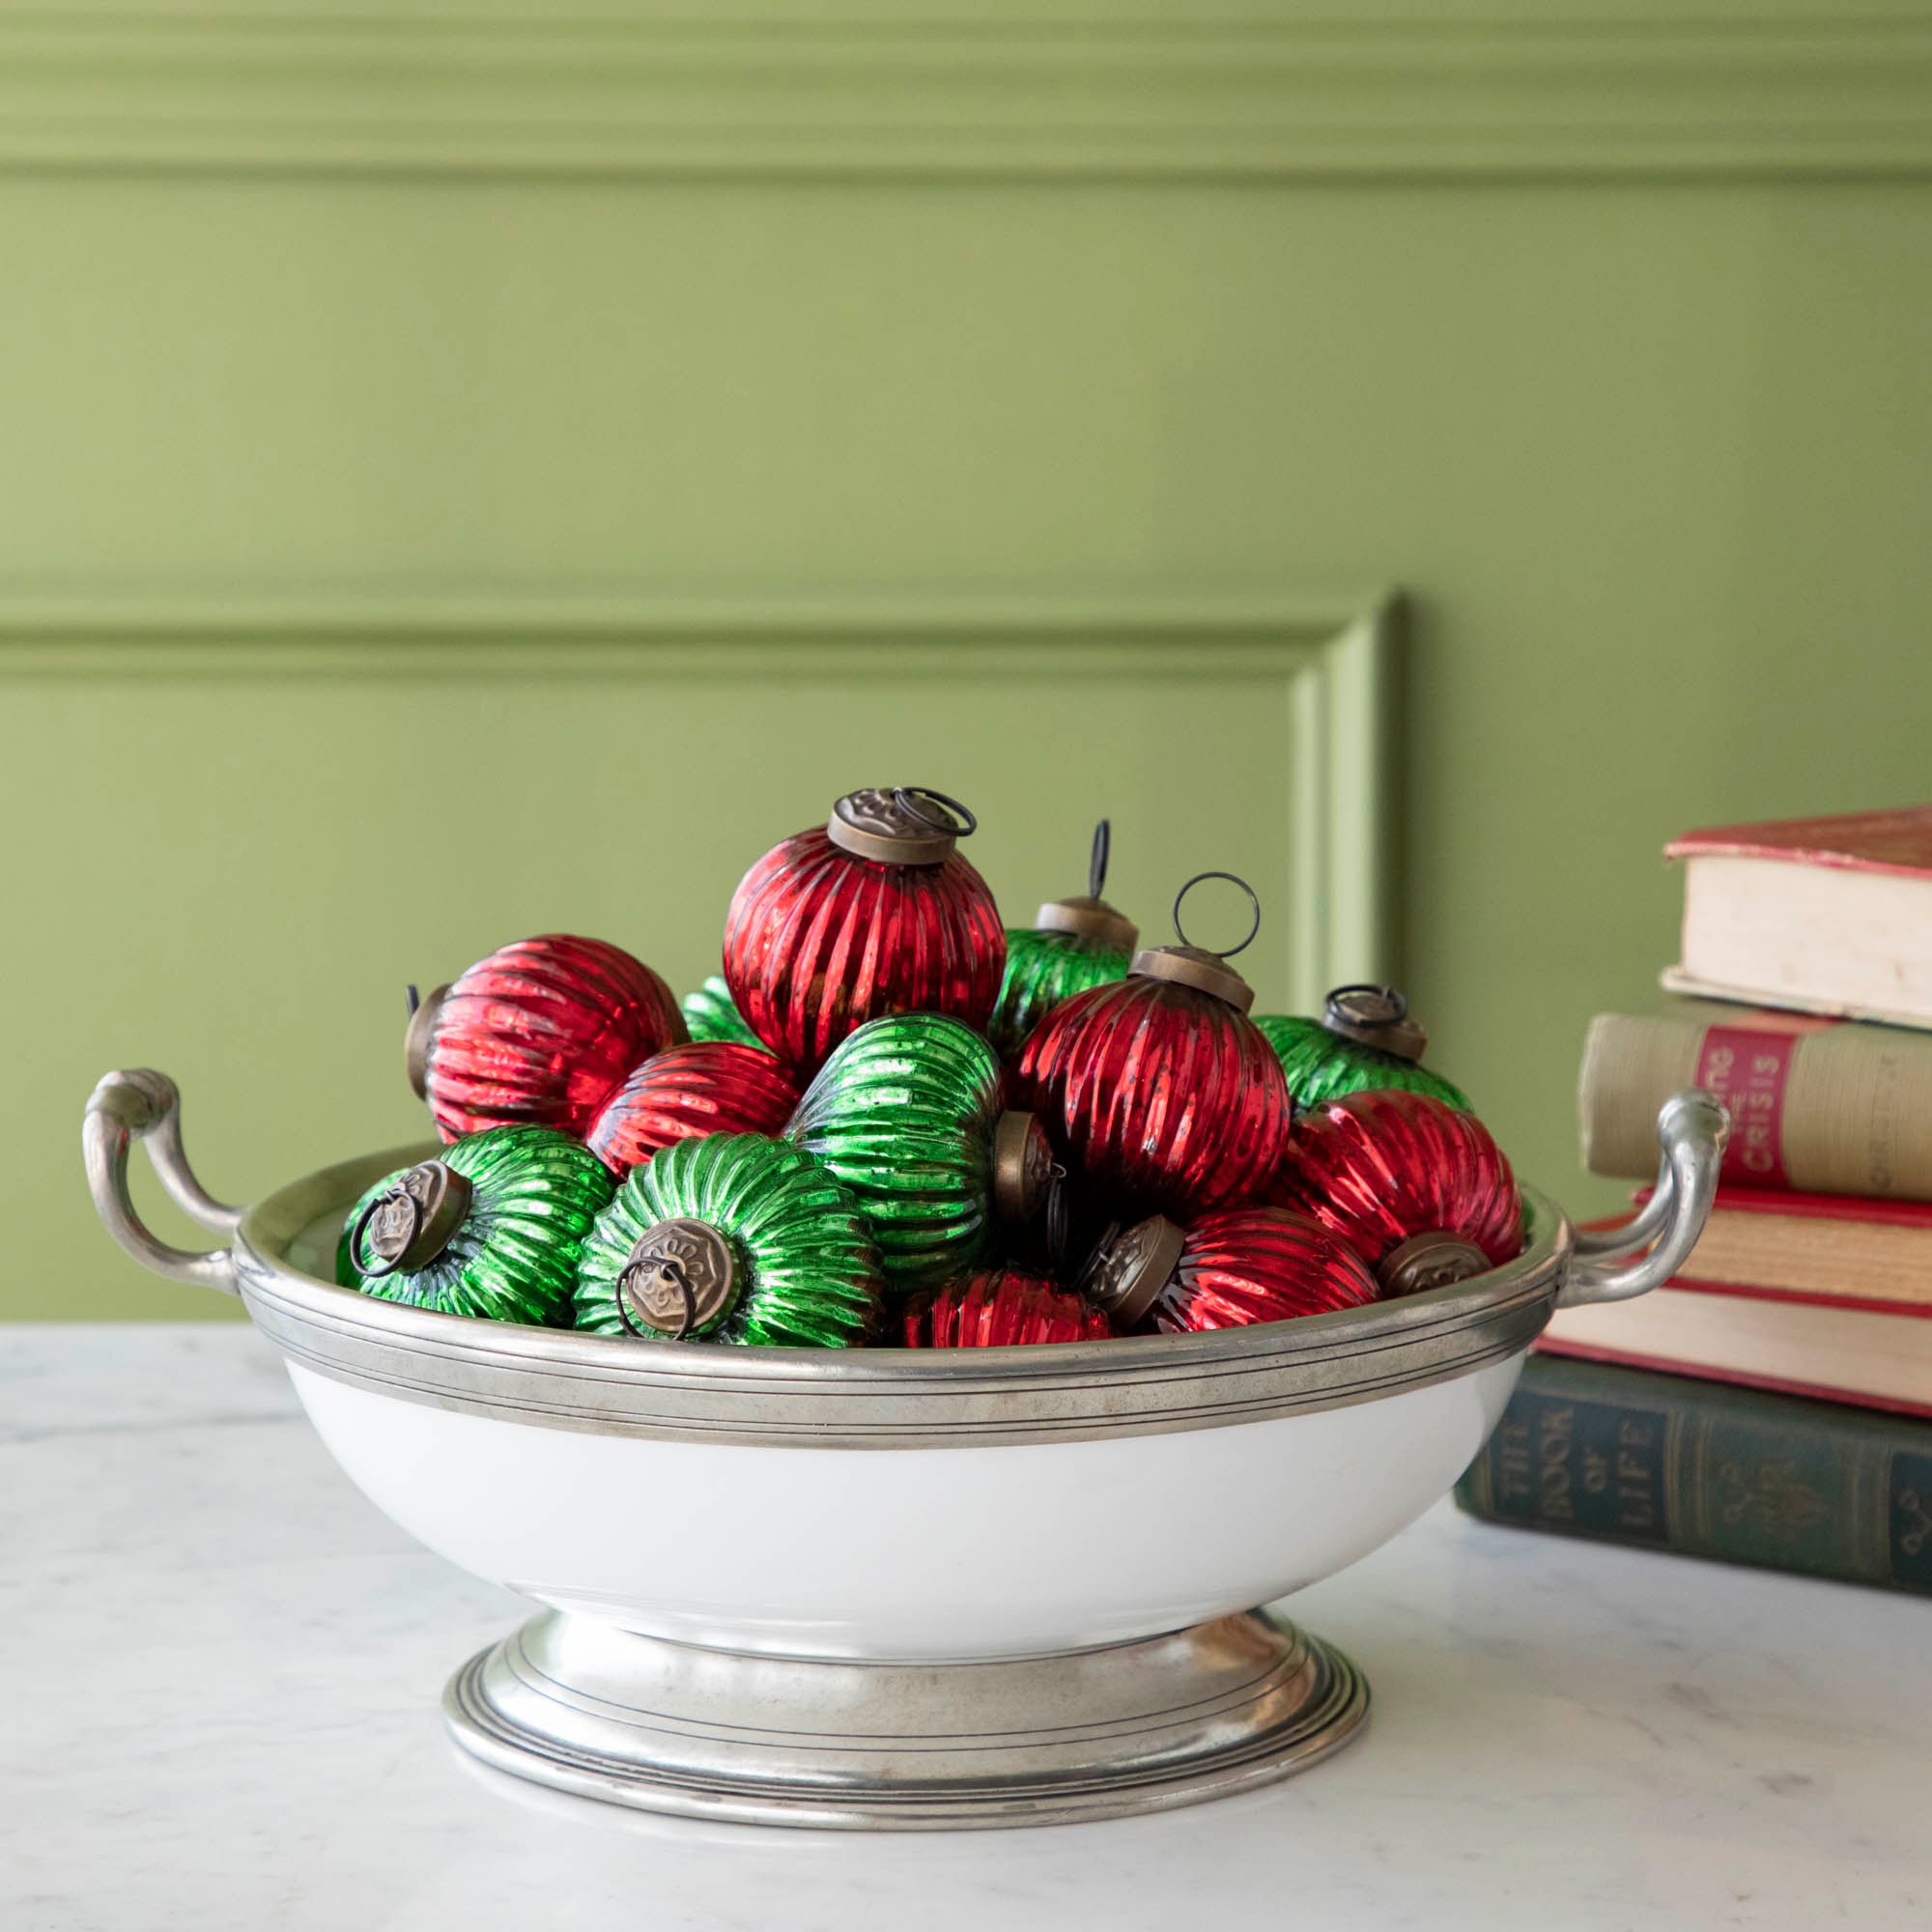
[1130, 1267]
[1022, 1168]
[899, 825]
[1433, 1259]
[1088, 919]
[680, 1279]
[416, 1042]
[411, 1222]
[1376, 1016]
[1191, 966]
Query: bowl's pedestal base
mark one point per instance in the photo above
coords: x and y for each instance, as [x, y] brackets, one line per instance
[1166, 1721]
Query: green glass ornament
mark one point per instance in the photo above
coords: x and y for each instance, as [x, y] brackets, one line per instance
[907, 1114]
[491, 1228]
[1364, 1038]
[710, 1014]
[1072, 943]
[732, 1238]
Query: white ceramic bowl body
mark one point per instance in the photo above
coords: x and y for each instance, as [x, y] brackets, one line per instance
[911, 1552]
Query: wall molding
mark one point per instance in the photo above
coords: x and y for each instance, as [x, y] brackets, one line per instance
[1830, 96]
[1333, 657]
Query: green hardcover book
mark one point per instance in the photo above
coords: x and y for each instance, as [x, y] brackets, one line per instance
[1670, 1463]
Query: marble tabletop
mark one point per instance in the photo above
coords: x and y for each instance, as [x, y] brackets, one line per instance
[224, 1672]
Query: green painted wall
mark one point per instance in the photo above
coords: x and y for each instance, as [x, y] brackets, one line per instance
[1650, 452]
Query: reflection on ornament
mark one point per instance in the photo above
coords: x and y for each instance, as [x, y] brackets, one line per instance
[709, 1014]
[492, 1229]
[1418, 1188]
[1001, 1308]
[539, 1033]
[875, 914]
[799, 1267]
[704, 1086]
[1364, 1038]
[1224, 1270]
[907, 1113]
[1159, 1087]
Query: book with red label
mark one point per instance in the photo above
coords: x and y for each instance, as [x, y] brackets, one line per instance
[1817, 1106]
[1827, 914]
[1846, 1347]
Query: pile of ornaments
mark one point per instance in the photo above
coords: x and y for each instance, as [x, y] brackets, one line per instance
[893, 1122]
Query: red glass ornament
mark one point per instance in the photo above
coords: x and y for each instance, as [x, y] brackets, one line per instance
[821, 938]
[1259, 1265]
[1164, 1095]
[540, 1033]
[1226, 1270]
[1420, 1190]
[1001, 1308]
[704, 1086]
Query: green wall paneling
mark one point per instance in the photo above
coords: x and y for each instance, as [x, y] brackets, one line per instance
[344, 356]
[254, 832]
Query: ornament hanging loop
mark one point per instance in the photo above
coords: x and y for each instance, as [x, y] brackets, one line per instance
[680, 1278]
[673, 1269]
[1376, 1016]
[1097, 866]
[411, 1221]
[952, 818]
[1254, 902]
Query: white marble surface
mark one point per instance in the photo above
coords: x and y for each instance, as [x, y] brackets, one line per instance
[222, 1669]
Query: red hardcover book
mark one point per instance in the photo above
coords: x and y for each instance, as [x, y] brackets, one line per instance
[1821, 1248]
[1827, 914]
[1834, 1338]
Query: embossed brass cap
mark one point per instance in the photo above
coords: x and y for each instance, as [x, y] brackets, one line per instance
[1190, 966]
[1090, 916]
[1430, 1259]
[1130, 1267]
[1022, 1168]
[899, 825]
[411, 1222]
[680, 1279]
[1088, 919]
[1376, 1016]
[1195, 966]
[416, 1042]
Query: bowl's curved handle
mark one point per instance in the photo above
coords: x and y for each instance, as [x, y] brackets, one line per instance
[142, 1105]
[1692, 1128]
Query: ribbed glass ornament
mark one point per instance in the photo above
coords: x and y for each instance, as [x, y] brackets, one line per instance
[1247, 1264]
[709, 1014]
[818, 941]
[1163, 1095]
[1381, 1167]
[534, 1195]
[704, 1086]
[1043, 969]
[542, 1032]
[808, 1271]
[1001, 1308]
[903, 1114]
[1322, 1065]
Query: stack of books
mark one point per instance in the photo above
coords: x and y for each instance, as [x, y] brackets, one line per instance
[1774, 1403]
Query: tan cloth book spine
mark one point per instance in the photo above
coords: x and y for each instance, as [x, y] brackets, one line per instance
[1832, 1109]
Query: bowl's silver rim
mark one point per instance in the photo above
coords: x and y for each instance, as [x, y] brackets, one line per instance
[880, 1398]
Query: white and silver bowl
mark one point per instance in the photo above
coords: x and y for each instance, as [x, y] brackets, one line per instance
[896, 1588]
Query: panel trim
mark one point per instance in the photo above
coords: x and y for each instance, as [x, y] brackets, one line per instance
[1830, 95]
[1333, 656]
